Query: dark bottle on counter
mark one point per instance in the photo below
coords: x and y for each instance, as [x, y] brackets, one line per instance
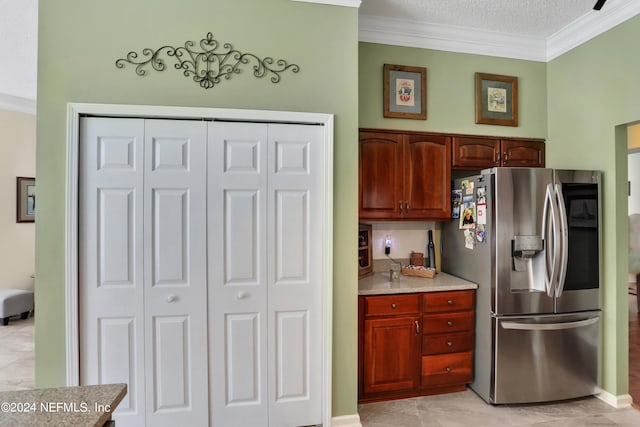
[431, 251]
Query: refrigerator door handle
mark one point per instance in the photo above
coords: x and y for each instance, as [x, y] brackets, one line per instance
[549, 326]
[548, 230]
[564, 241]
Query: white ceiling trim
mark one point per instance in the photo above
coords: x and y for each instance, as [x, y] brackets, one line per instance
[18, 104]
[591, 25]
[347, 3]
[400, 32]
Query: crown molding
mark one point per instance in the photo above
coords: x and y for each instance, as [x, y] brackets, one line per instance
[591, 25]
[347, 3]
[18, 104]
[400, 32]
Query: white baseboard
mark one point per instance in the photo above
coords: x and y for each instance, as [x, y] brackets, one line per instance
[346, 421]
[622, 401]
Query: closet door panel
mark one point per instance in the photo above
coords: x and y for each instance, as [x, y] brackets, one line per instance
[237, 253]
[176, 359]
[295, 202]
[110, 254]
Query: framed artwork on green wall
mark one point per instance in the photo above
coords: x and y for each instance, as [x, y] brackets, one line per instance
[405, 92]
[496, 99]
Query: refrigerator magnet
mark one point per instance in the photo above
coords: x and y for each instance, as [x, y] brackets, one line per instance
[481, 195]
[481, 213]
[468, 239]
[467, 186]
[480, 233]
[467, 216]
[456, 201]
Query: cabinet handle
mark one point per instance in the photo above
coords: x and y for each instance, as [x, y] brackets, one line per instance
[505, 156]
[448, 370]
[393, 305]
[450, 302]
[400, 206]
[406, 206]
[498, 158]
[417, 328]
[449, 343]
[449, 323]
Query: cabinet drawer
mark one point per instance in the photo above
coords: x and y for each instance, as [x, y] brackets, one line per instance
[448, 322]
[447, 301]
[446, 369]
[447, 343]
[391, 305]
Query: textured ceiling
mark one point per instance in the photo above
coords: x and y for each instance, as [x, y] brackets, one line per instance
[540, 18]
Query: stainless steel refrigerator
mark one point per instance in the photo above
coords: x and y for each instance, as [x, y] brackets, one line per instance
[531, 239]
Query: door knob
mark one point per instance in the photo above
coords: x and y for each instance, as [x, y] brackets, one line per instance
[242, 295]
[172, 298]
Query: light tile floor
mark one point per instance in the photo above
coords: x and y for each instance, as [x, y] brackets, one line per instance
[17, 367]
[447, 410]
[467, 409]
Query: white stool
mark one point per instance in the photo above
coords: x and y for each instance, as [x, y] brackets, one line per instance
[14, 302]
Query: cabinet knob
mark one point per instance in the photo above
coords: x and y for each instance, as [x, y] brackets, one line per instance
[393, 305]
[449, 323]
[448, 370]
[449, 343]
[450, 302]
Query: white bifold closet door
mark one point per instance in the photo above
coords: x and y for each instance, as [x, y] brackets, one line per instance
[265, 193]
[143, 310]
[200, 281]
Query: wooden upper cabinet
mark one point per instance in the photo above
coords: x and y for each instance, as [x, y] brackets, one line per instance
[380, 175]
[477, 153]
[522, 153]
[427, 176]
[404, 176]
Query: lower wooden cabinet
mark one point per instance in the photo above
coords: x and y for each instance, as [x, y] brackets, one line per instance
[414, 344]
[390, 354]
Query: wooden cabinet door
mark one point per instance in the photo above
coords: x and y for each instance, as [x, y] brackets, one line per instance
[380, 176]
[475, 153]
[390, 354]
[522, 153]
[427, 177]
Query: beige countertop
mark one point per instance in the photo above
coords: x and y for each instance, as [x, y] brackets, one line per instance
[379, 284]
[83, 406]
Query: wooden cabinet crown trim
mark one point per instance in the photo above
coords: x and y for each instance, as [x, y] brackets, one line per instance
[452, 135]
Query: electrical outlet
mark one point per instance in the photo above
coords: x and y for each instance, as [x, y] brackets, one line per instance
[387, 245]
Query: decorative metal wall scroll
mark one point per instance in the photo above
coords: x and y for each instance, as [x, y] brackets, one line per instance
[206, 66]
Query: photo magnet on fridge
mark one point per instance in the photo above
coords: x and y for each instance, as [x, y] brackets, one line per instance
[468, 216]
[456, 200]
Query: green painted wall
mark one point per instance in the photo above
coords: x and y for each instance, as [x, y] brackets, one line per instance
[593, 92]
[79, 42]
[450, 90]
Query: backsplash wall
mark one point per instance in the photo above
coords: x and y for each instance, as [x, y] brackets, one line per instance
[405, 237]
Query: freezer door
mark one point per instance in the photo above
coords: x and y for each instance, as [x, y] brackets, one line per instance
[545, 358]
[580, 196]
[521, 248]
